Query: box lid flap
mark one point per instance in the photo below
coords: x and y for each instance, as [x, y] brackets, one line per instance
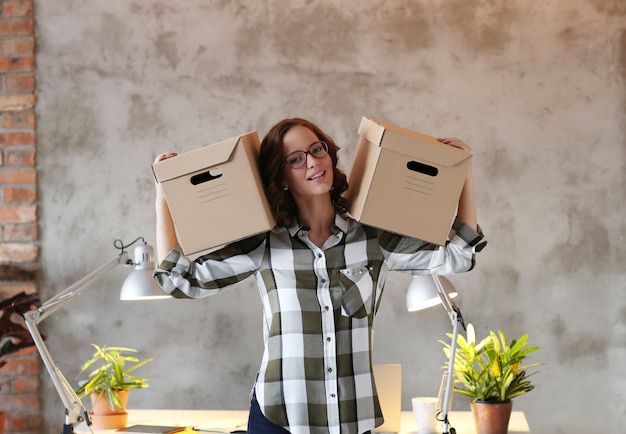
[402, 140]
[192, 161]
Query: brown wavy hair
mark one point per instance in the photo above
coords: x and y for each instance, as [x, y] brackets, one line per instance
[271, 162]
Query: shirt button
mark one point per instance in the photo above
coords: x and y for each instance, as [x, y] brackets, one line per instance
[330, 369]
[329, 339]
[323, 280]
[319, 255]
[332, 395]
[327, 308]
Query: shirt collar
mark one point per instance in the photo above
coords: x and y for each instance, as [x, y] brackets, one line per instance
[342, 224]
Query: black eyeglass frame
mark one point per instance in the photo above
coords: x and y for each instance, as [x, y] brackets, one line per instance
[305, 153]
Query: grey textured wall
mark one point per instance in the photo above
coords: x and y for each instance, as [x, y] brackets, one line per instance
[538, 89]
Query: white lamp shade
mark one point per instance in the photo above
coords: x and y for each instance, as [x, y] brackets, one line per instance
[423, 293]
[140, 285]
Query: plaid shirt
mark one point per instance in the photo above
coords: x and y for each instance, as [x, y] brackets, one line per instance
[318, 305]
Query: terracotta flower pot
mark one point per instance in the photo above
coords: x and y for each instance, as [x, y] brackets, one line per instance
[102, 417]
[492, 417]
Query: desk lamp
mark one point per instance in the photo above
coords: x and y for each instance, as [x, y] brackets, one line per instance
[139, 284]
[427, 291]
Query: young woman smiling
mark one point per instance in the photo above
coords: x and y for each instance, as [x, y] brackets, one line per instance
[320, 276]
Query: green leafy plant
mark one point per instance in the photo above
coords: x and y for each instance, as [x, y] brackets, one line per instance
[491, 370]
[111, 369]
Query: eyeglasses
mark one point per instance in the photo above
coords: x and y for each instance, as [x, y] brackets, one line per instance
[297, 159]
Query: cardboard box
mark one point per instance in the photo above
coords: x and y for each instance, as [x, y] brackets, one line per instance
[215, 193]
[406, 182]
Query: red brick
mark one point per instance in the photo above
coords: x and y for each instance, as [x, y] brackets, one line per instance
[21, 232]
[26, 385]
[26, 421]
[17, 64]
[16, 194]
[19, 120]
[18, 213]
[20, 158]
[15, 287]
[5, 386]
[25, 175]
[19, 404]
[14, 27]
[17, 273]
[22, 366]
[17, 139]
[28, 352]
[17, 45]
[18, 8]
[13, 253]
[20, 83]
[17, 102]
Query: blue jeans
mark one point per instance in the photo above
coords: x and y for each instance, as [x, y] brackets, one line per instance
[258, 423]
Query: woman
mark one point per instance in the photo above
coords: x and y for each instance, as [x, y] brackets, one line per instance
[320, 275]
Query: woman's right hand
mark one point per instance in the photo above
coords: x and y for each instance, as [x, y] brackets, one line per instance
[165, 156]
[165, 232]
[158, 158]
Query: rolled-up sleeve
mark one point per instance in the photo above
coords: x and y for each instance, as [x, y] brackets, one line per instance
[209, 274]
[419, 257]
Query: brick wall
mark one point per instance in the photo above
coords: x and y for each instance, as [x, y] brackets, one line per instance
[19, 248]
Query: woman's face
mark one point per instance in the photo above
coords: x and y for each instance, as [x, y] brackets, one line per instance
[315, 177]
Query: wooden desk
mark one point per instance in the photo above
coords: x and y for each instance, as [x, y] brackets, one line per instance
[462, 421]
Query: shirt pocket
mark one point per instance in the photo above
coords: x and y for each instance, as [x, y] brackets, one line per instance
[357, 287]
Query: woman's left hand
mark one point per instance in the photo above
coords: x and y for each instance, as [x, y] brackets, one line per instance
[467, 204]
[457, 143]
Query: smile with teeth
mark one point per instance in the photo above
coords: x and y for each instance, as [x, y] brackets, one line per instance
[312, 178]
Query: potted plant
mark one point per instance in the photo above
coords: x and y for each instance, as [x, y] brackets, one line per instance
[110, 378]
[491, 372]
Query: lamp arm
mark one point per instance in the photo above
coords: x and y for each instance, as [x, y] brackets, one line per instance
[72, 403]
[448, 304]
[456, 318]
[76, 289]
[449, 384]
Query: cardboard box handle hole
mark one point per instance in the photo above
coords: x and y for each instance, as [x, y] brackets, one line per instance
[207, 176]
[416, 166]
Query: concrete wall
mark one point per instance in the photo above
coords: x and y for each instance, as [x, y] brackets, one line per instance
[537, 88]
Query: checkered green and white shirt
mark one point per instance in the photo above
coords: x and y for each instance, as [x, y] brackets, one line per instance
[318, 305]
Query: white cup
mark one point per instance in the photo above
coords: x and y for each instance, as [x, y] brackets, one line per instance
[425, 412]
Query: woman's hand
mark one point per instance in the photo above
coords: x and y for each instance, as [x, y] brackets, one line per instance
[467, 202]
[161, 157]
[165, 232]
[457, 143]
[165, 156]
